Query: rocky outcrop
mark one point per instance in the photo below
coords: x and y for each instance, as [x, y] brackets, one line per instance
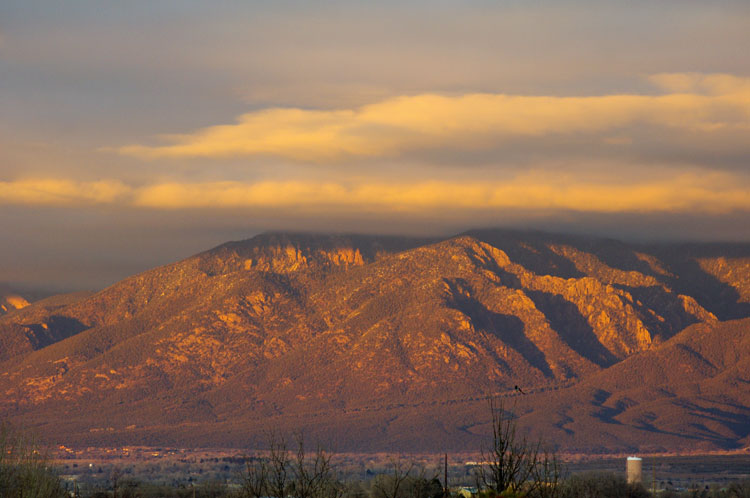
[290, 325]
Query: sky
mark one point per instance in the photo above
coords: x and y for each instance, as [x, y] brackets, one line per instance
[134, 134]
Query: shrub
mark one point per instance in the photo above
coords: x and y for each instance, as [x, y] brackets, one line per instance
[739, 489]
[600, 485]
[24, 469]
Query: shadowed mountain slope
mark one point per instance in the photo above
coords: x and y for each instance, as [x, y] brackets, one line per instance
[691, 393]
[364, 340]
[32, 326]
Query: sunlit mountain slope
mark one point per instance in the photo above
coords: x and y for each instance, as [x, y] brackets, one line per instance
[388, 342]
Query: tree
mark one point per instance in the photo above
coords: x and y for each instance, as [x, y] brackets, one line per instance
[312, 477]
[278, 468]
[281, 474]
[406, 480]
[513, 464]
[255, 479]
[425, 487]
[390, 485]
[547, 475]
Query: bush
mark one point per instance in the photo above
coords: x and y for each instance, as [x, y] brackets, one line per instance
[406, 481]
[24, 469]
[601, 485]
[739, 489]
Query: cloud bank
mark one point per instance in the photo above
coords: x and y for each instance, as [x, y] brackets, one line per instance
[693, 120]
[63, 192]
[692, 110]
[689, 192]
[215, 122]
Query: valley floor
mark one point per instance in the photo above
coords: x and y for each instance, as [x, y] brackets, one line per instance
[183, 467]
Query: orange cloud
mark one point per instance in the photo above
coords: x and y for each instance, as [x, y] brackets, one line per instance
[59, 192]
[472, 121]
[699, 83]
[540, 190]
[689, 192]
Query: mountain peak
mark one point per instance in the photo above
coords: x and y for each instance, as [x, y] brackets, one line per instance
[371, 337]
[284, 252]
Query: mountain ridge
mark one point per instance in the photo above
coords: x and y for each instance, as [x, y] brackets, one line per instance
[359, 327]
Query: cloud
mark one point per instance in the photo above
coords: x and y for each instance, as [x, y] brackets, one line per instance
[706, 84]
[534, 191]
[62, 192]
[693, 104]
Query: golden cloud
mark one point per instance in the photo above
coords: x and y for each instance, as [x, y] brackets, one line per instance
[689, 192]
[541, 190]
[699, 83]
[63, 192]
[692, 103]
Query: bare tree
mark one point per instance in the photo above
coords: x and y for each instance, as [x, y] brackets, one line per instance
[255, 479]
[514, 463]
[282, 474]
[389, 486]
[425, 485]
[547, 475]
[312, 476]
[278, 467]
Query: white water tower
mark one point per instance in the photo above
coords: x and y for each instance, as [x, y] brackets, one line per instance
[635, 470]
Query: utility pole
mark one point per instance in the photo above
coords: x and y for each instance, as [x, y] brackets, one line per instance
[445, 478]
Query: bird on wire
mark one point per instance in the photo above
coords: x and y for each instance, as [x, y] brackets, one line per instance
[519, 390]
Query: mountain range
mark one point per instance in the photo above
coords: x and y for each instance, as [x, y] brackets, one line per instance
[381, 343]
